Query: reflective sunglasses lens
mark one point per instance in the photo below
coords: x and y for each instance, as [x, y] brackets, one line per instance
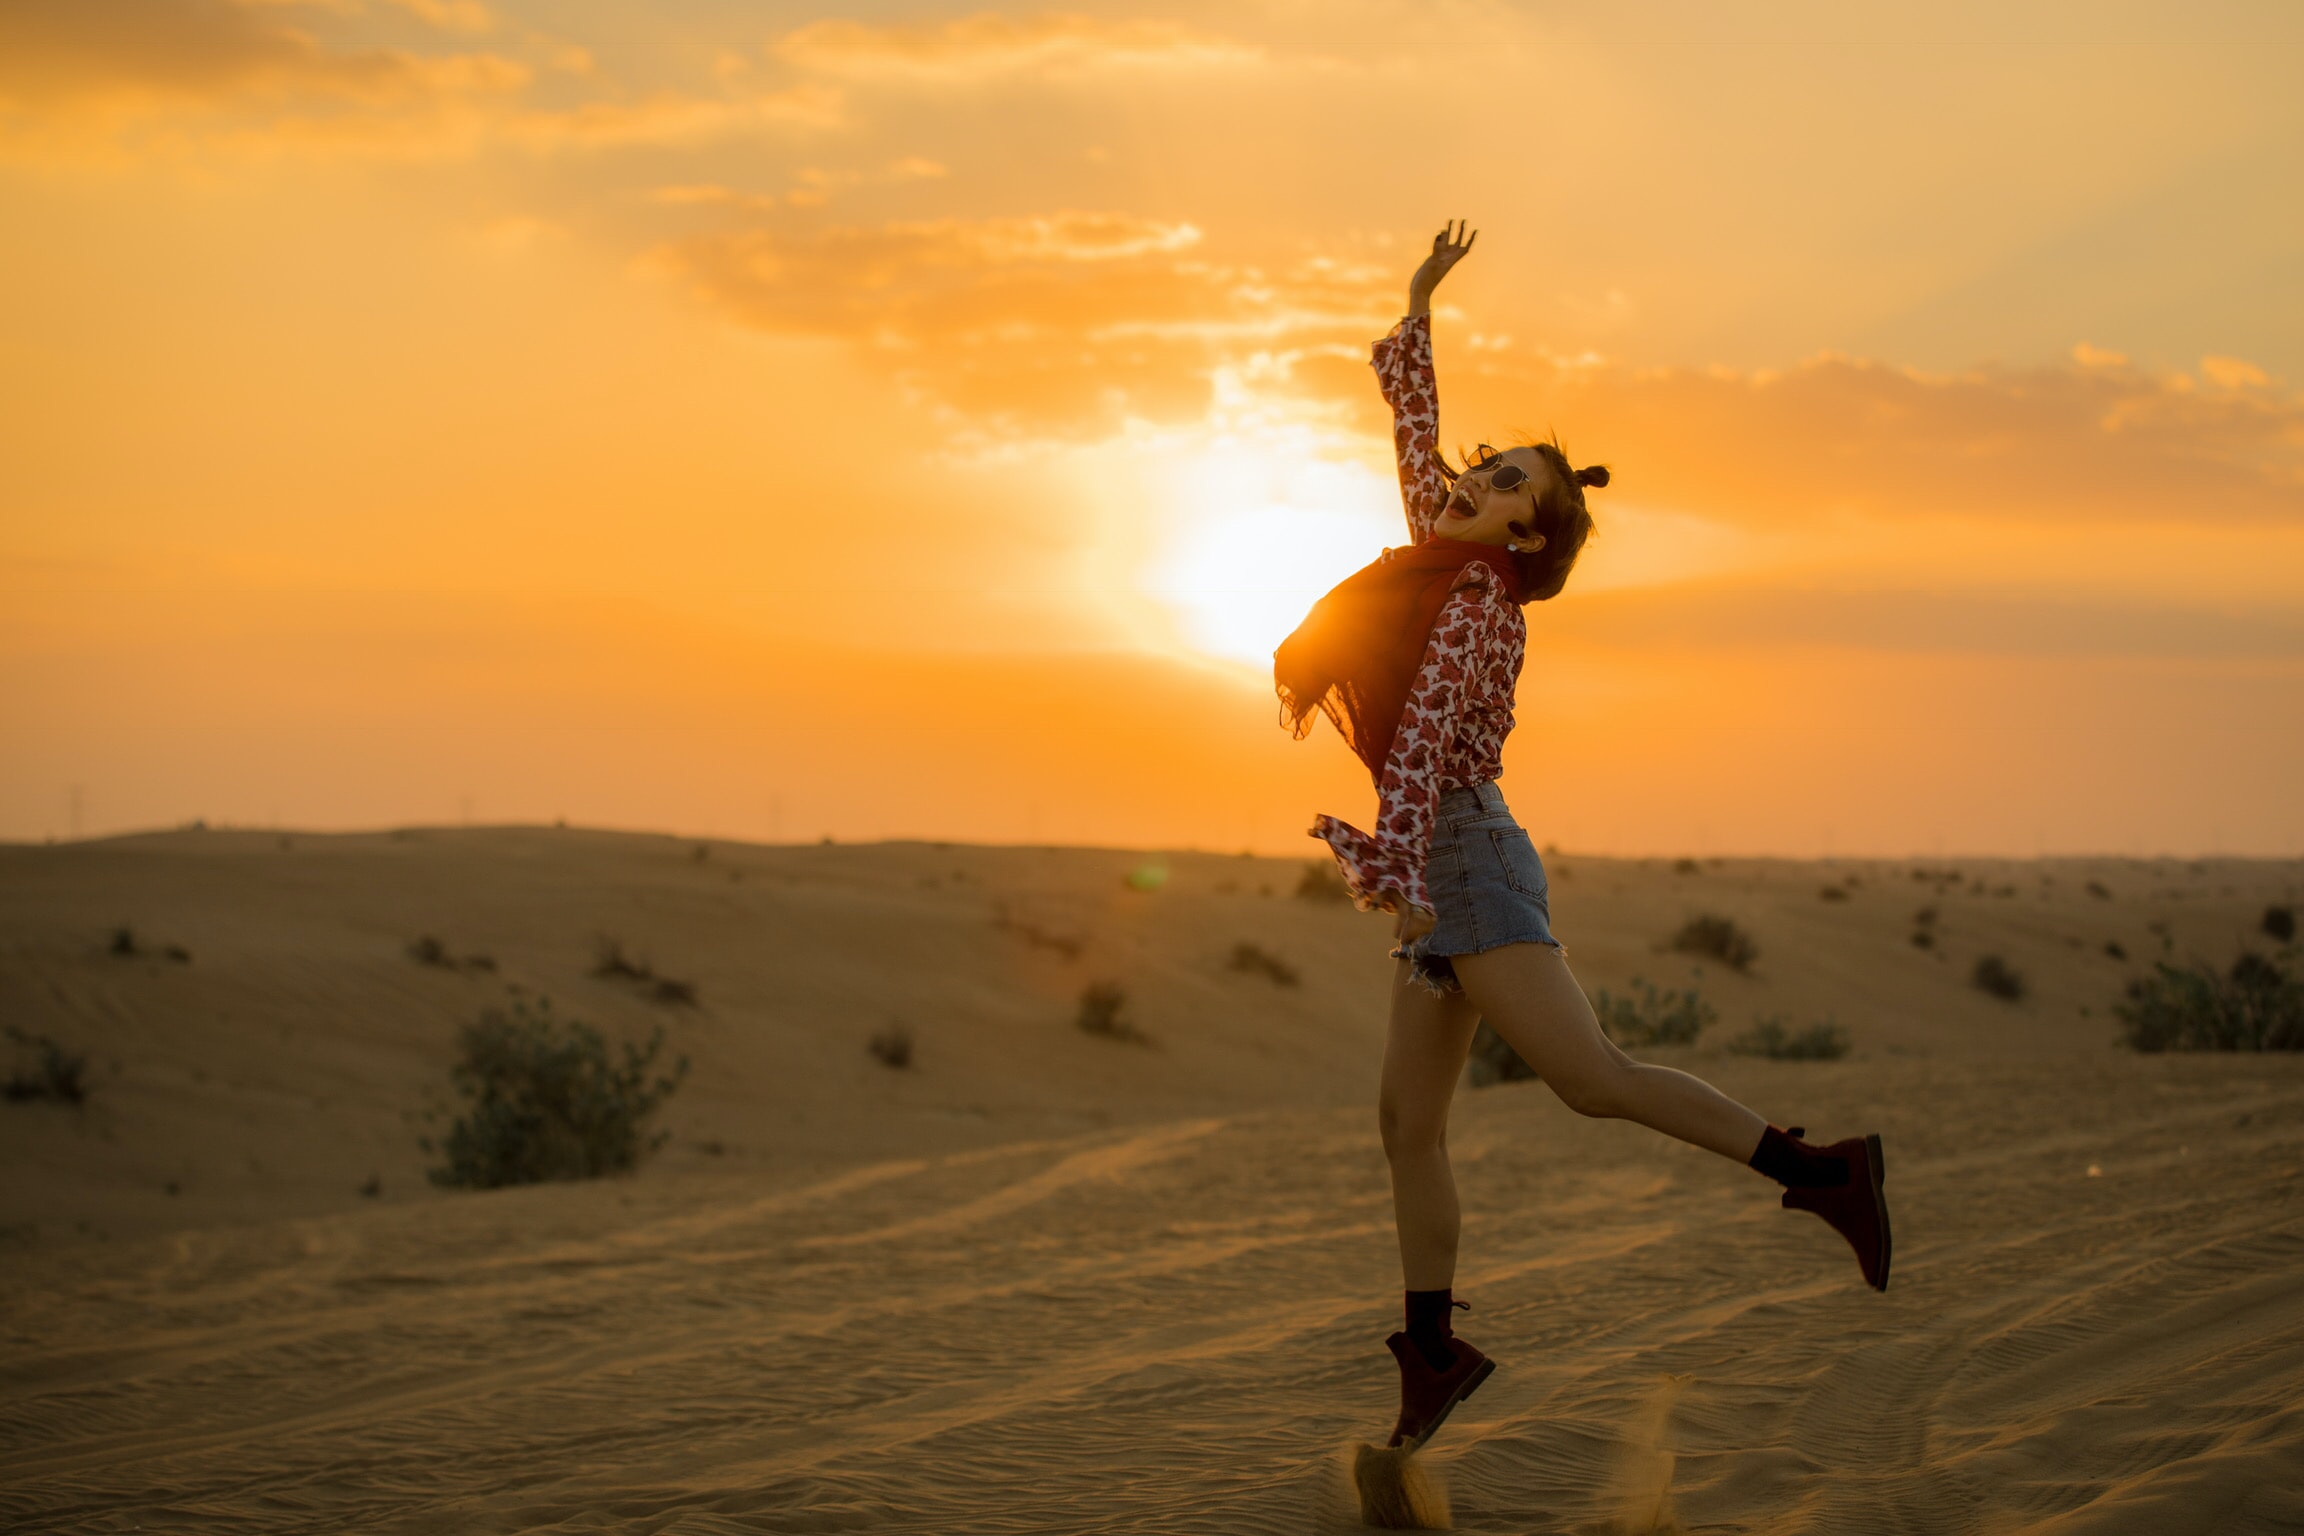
[1508, 478]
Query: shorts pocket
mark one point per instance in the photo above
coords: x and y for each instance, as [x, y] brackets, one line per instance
[1523, 871]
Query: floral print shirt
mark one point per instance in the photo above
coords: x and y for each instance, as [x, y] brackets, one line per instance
[1460, 708]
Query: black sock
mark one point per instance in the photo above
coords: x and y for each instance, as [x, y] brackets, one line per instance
[1794, 1164]
[1429, 1328]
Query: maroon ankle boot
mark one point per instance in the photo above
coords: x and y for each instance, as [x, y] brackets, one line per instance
[1428, 1394]
[1841, 1183]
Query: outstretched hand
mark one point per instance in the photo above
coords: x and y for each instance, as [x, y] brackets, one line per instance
[1449, 247]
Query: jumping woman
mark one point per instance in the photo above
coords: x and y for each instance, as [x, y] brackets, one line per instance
[1415, 659]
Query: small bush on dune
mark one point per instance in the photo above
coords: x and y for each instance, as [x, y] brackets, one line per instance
[1494, 1061]
[1321, 883]
[545, 1100]
[45, 1071]
[1998, 977]
[892, 1047]
[1256, 962]
[2258, 1005]
[1100, 1008]
[1652, 1017]
[1774, 1038]
[1717, 938]
[425, 949]
[612, 964]
[2279, 924]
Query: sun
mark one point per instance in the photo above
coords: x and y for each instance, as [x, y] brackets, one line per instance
[1262, 529]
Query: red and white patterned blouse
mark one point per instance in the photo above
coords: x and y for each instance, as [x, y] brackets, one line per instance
[1460, 708]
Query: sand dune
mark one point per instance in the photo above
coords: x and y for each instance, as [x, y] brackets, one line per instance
[1046, 1282]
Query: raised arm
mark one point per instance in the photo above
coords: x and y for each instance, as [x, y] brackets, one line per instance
[1403, 362]
[1449, 247]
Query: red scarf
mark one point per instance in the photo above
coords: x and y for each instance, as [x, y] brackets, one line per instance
[1356, 655]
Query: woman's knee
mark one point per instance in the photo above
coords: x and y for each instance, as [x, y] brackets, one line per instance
[1410, 1132]
[1600, 1092]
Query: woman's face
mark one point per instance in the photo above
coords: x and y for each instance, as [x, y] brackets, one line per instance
[1478, 512]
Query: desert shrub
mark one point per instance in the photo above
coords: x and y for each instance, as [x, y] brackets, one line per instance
[1320, 882]
[1719, 939]
[612, 964]
[545, 1099]
[2257, 1005]
[892, 1047]
[425, 949]
[1062, 944]
[1652, 1017]
[1494, 1061]
[1775, 1038]
[1100, 1009]
[2099, 890]
[45, 1071]
[1247, 957]
[1998, 977]
[124, 941]
[2116, 949]
[2279, 924]
[1686, 867]
[1833, 893]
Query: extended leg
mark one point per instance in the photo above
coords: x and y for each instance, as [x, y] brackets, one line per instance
[1528, 996]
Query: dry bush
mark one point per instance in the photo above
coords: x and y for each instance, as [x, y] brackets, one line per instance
[1321, 883]
[2257, 1005]
[612, 964]
[1717, 938]
[892, 1047]
[1652, 1017]
[1256, 962]
[2279, 924]
[45, 1071]
[1774, 1038]
[545, 1100]
[1999, 978]
[424, 949]
[1100, 1009]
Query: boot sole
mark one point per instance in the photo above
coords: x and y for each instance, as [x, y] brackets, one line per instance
[1471, 1385]
[1879, 1162]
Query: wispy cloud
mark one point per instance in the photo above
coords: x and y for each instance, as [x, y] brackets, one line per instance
[991, 46]
[1060, 322]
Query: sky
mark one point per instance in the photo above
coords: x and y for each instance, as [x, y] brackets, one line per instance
[918, 421]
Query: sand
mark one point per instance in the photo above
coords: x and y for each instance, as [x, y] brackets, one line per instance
[1045, 1281]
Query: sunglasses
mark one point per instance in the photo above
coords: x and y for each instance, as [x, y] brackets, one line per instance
[1507, 477]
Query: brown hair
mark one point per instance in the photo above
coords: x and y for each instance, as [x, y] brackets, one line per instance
[1562, 519]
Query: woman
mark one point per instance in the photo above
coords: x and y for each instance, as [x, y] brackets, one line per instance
[1415, 659]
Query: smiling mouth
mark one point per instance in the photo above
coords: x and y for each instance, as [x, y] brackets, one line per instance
[1459, 505]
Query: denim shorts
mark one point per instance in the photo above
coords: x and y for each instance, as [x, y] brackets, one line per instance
[1486, 882]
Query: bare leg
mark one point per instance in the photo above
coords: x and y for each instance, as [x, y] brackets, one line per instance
[1527, 995]
[1423, 1056]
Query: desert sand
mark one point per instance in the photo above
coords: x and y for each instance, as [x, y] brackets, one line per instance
[1045, 1281]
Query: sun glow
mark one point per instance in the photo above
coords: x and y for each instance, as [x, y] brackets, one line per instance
[1266, 530]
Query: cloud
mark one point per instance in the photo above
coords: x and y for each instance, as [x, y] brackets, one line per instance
[2093, 441]
[60, 53]
[197, 76]
[1059, 323]
[1064, 323]
[990, 46]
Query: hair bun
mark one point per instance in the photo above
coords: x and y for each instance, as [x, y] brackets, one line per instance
[1595, 475]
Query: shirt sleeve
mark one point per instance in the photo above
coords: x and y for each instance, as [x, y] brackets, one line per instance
[1403, 363]
[1375, 868]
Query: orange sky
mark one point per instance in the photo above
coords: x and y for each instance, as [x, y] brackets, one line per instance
[727, 419]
